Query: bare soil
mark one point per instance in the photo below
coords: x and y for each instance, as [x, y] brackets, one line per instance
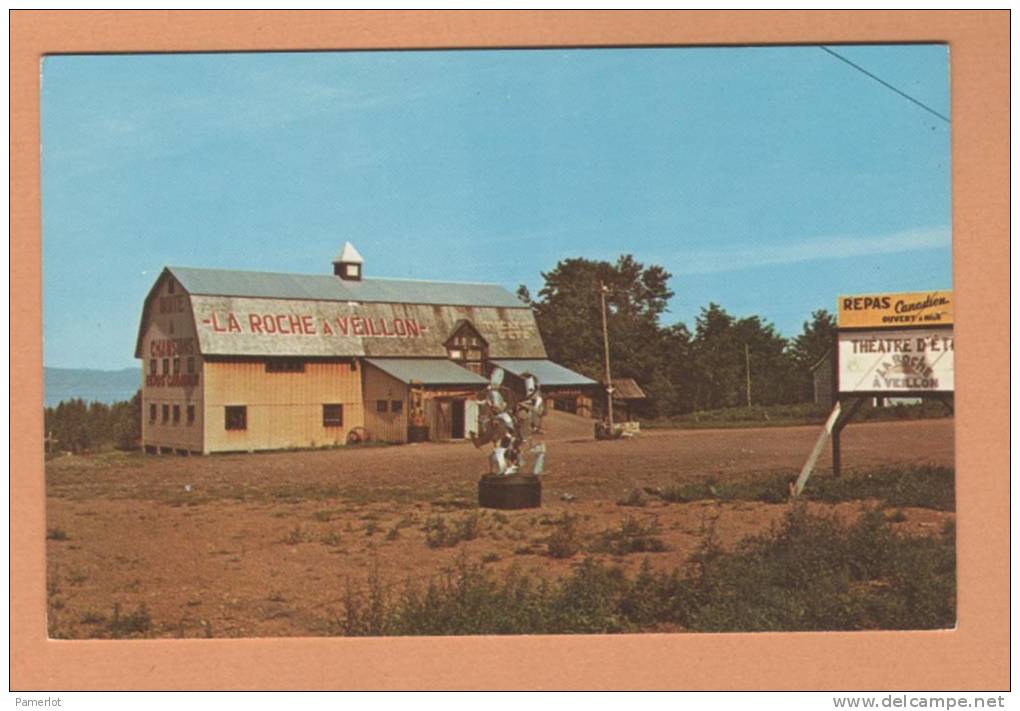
[267, 544]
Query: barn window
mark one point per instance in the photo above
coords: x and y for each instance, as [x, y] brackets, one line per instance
[396, 406]
[166, 366]
[177, 366]
[285, 365]
[236, 417]
[170, 287]
[191, 414]
[380, 406]
[152, 412]
[166, 414]
[191, 365]
[177, 414]
[332, 415]
[153, 367]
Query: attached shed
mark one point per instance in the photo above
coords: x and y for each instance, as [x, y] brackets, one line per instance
[567, 390]
[627, 395]
[414, 399]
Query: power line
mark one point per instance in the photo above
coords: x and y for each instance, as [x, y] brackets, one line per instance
[884, 83]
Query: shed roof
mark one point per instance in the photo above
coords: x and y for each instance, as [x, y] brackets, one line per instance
[428, 371]
[627, 389]
[548, 373]
[326, 287]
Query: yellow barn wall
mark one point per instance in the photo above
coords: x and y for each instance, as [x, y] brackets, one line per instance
[168, 319]
[283, 409]
[384, 426]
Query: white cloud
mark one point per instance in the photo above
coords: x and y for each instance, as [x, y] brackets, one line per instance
[710, 260]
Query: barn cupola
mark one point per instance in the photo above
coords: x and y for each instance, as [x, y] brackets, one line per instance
[348, 263]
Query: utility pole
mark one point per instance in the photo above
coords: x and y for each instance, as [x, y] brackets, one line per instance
[603, 290]
[747, 369]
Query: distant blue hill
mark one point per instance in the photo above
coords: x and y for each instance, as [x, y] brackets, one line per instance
[107, 386]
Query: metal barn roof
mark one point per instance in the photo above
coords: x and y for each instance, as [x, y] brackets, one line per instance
[548, 373]
[427, 371]
[326, 287]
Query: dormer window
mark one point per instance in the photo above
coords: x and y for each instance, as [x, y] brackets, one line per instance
[467, 348]
[352, 271]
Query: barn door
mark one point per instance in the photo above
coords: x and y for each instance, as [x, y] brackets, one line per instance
[442, 421]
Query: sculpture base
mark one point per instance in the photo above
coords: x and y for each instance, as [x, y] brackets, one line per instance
[518, 491]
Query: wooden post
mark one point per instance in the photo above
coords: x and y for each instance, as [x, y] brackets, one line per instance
[603, 289]
[809, 465]
[837, 455]
[747, 369]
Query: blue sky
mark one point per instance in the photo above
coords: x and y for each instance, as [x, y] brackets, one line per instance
[767, 179]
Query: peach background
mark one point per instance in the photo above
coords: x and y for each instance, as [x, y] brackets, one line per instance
[975, 655]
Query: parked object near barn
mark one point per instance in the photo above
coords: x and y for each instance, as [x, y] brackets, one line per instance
[244, 361]
[516, 461]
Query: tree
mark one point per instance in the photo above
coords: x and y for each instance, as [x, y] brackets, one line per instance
[569, 316]
[810, 347]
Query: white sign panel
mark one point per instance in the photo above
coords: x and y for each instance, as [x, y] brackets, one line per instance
[896, 361]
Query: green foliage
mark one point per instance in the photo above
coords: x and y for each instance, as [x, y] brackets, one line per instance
[56, 534]
[79, 427]
[809, 573]
[134, 623]
[565, 540]
[925, 486]
[441, 532]
[631, 536]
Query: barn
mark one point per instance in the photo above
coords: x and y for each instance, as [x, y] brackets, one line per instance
[246, 361]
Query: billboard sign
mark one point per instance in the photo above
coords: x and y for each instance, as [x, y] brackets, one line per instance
[916, 360]
[924, 308]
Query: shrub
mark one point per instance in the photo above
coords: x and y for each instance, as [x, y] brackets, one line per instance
[565, 540]
[124, 625]
[441, 533]
[631, 536]
[808, 573]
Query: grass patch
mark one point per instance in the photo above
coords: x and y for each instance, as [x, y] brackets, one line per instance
[57, 534]
[121, 625]
[631, 536]
[931, 487]
[809, 573]
[441, 532]
[565, 540]
[636, 497]
[792, 415]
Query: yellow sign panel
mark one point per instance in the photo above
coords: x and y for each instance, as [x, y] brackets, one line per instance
[920, 308]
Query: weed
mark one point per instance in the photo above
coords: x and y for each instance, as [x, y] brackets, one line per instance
[295, 536]
[332, 538]
[276, 596]
[77, 577]
[91, 617]
[136, 622]
[490, 557]
[393, 534]
[56, 534]
[441, 533]
[501, 518]
[808, 573]
[897, 516]
[565, 540]
[636, 497]
[631, 536]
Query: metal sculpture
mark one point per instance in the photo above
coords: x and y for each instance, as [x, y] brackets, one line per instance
[510, 426]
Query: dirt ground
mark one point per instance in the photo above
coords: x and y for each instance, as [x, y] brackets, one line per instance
[267, 544]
